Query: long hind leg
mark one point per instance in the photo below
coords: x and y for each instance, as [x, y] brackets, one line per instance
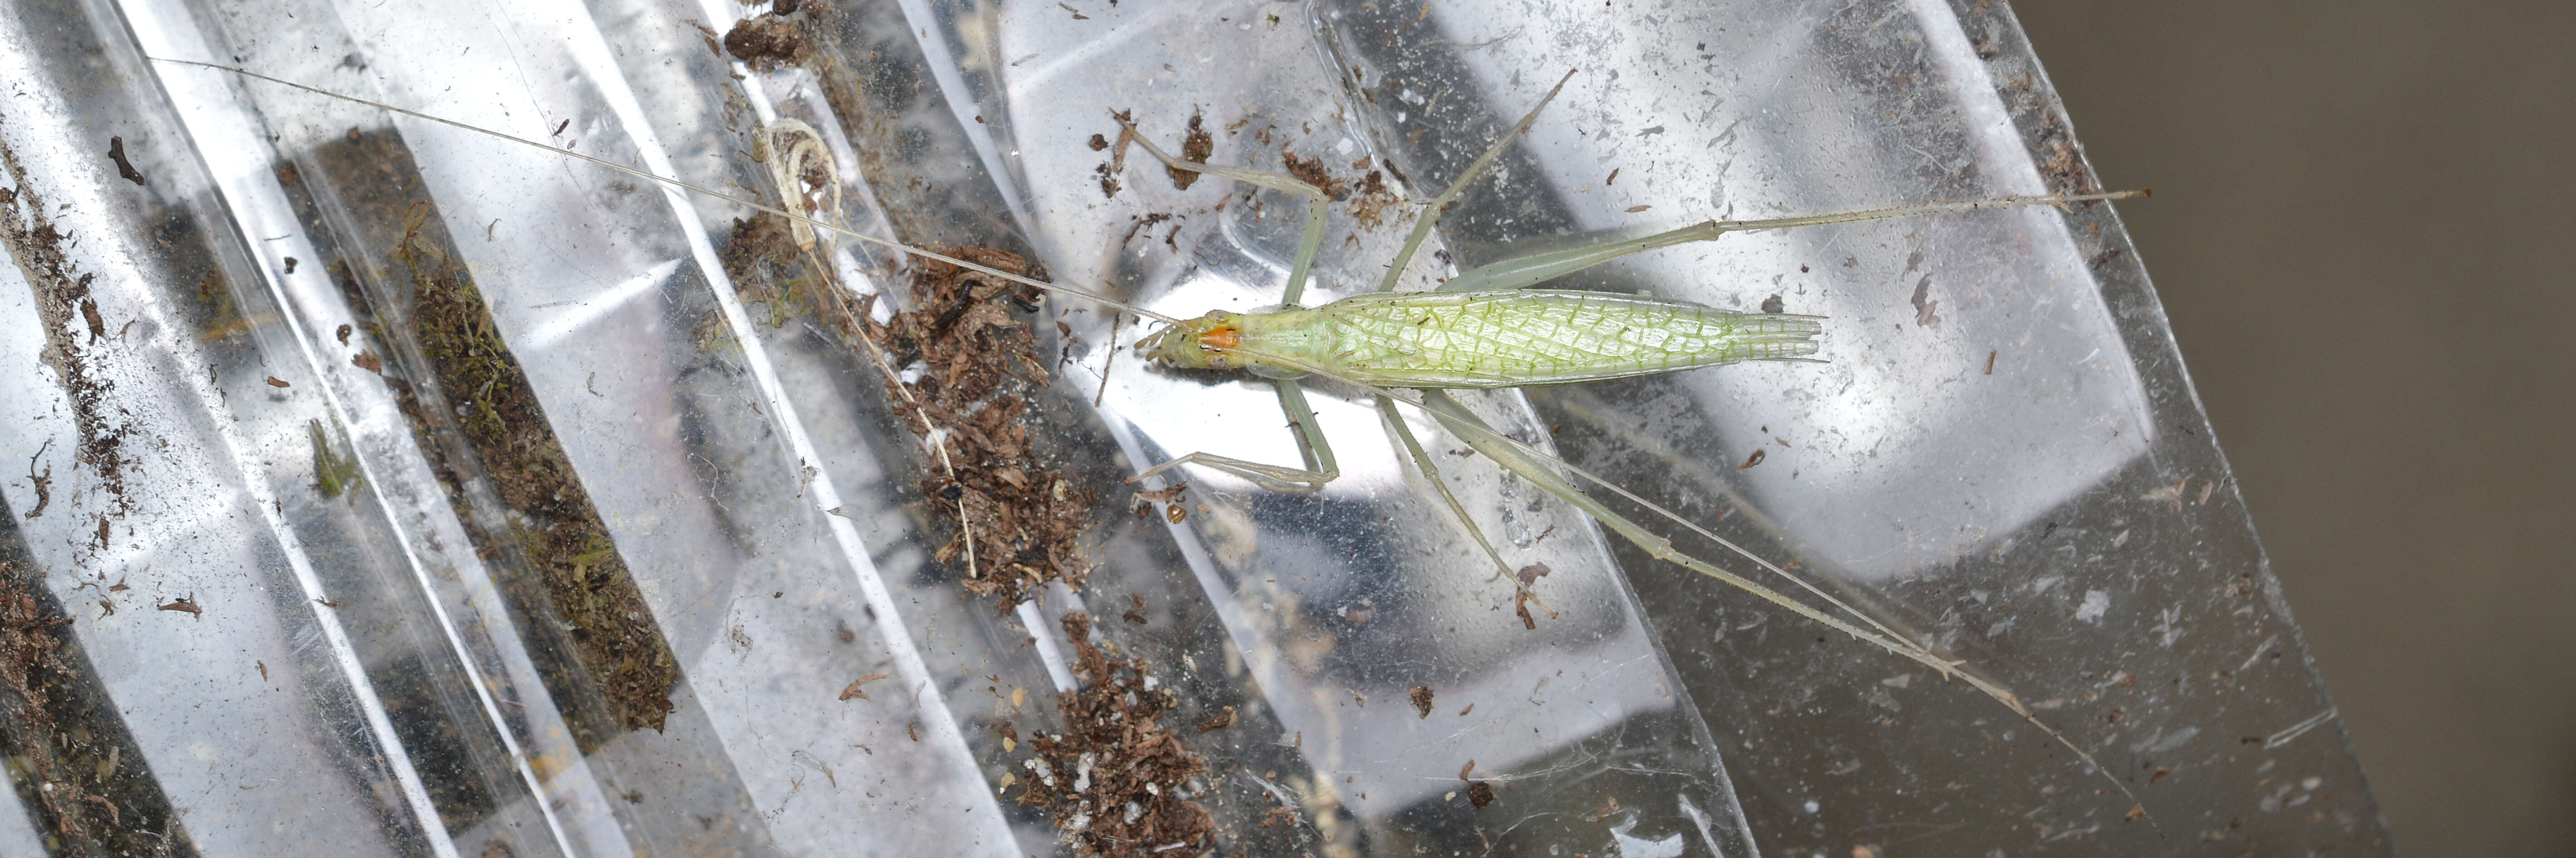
[1544, 473]
[1431, 211]
[1423, 459]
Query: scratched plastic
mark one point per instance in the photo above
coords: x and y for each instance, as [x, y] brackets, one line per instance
[291, 611]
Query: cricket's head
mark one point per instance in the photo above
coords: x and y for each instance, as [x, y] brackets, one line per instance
[1206, 342]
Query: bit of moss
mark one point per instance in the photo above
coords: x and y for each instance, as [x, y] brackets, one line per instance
[334, 474]
[587, 585]
[769, 268]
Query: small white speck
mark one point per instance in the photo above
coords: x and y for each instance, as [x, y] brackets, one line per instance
[2096, 603]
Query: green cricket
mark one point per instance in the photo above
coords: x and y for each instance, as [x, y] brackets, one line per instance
[1489, 327]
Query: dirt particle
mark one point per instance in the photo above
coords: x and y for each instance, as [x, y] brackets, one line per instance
[1017, 521]
[2063, 165]
[1196, 145]
[853, 691]
[770, 41]
[274, 381]
[1373, 201]
[1114, 756]
[124, 168]
[185, 604]
[1480, 793]
[1142, 224]
[1312, 172]
[1421, 700]
[44, 485]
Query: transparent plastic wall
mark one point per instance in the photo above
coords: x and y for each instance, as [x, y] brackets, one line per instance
[393, 488]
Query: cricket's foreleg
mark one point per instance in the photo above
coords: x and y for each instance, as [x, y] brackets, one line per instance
[1320, 466]
[1317, 203]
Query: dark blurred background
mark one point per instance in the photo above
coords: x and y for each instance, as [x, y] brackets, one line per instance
[2363, 226]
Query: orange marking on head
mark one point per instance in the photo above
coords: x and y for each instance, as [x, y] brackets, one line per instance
[1221, 338]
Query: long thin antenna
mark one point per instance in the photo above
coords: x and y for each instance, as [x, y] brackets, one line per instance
[648, 175]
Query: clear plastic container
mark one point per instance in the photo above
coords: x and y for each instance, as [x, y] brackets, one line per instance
[397, 489]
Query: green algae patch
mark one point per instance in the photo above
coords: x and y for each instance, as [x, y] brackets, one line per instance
[554, 525]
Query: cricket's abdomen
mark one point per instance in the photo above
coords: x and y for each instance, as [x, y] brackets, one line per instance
[1513, 338]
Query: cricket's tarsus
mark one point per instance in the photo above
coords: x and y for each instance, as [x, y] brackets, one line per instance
[1222, 341]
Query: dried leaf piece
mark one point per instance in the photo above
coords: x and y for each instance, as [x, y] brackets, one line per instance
[853, 690]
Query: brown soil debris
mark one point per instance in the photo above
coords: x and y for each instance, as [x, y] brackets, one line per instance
[1373, 201]
[69, 759]
[62, 293]
[1196, 146]
[1018, 519]
[1312, 172]
[43, 483]
[854, 692]
[778, 38]
[1114, 779]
